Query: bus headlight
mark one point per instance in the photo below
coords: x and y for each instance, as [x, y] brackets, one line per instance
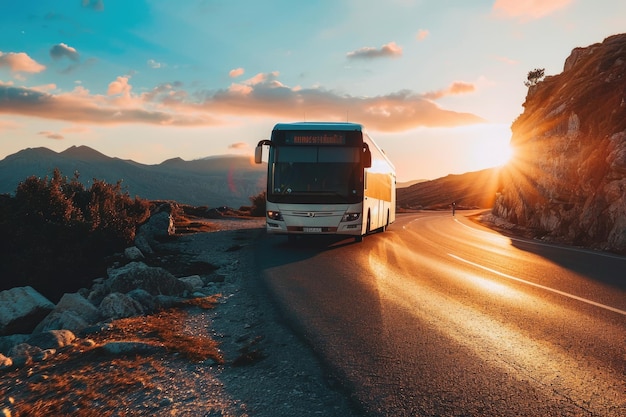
[350, 217]
[274, 215]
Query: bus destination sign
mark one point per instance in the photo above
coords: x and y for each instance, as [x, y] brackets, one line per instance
[316, 138]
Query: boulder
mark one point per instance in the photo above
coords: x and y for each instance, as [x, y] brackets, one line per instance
[51, 339]
[58, 320]
[7, 342]
[194, 281]
[21, 309]
[160, 225]
[117, 305]
[73, 312]
[133, 253]
[5, 362]
[154, 280]
[143, 297]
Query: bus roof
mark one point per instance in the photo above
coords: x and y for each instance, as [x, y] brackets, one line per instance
[320, 126]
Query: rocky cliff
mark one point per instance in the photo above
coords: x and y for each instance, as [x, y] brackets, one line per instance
[568, 177]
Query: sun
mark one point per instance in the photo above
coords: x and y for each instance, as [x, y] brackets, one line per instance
[489, 152]
[504, 154]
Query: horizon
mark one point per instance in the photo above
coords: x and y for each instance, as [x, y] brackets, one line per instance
[436, 85]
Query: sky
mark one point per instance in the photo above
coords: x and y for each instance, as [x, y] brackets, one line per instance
[436, 83]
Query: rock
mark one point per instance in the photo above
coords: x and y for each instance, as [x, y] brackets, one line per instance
[133, 253]
[117, 305]
[143, 297]
[21, 309]
[568, 177]
[24, 353]
[73, 312]
[52, 339]
[141, 242]
[58, 320]
[7, 342]
[98, 292]
[160, 225]
[5, 362]
[193, 281]
[154, 280]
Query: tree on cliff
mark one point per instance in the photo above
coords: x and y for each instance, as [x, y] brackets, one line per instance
[534, 76]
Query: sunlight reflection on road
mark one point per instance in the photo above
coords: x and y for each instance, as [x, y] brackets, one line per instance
[500, 344]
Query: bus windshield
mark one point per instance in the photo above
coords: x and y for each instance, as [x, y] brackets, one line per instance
[320, 174]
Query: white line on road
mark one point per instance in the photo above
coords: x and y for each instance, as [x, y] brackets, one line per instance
[543, 287]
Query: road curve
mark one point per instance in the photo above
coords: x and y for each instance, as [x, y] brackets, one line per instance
[439, 316]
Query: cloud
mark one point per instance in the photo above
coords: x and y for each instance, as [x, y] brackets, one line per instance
[390, 50]
[422, 34]
[51, 135]
[81, 107]
[528, 9]
[398, 111]
[237, 72]
[20, 62]
[239, 146]
[62, 50]
[506, 60]
[119, 87]
[155, 65]
[261, 96]
[456, 88]
[97, 5]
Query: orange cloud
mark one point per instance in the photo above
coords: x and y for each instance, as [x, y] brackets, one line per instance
[239, 146]
[528, 9]
[391, 50]
[422, 34]
[262, 96]
[20, 62]
[51, 135]
[457, 87]
[119, 87]
[237, 72]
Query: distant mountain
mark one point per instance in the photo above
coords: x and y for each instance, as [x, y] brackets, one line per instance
[470, 190]
[408, 183]
[212, 182]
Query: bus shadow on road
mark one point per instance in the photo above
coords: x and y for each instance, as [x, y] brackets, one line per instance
[313, 242]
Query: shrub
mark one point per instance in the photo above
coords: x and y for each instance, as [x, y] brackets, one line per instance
[58, 234]
[258, 205]
[534, 77]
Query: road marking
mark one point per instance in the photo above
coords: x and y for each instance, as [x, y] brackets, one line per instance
[543, 287]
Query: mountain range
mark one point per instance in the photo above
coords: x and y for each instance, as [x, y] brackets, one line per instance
[213, 181]
[217, 181]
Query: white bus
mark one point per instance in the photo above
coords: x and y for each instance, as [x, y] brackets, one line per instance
[327, 178]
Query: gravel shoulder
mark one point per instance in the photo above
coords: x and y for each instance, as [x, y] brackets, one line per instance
[269, 371]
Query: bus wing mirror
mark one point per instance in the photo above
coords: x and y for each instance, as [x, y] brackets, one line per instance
[258, 151]
[258, 154]
[367, 156]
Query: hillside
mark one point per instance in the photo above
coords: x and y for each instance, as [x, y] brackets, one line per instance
[216, 181]
[568, 177]
[470, 190]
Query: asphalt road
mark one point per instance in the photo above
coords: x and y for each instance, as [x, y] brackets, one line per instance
[439, 316]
